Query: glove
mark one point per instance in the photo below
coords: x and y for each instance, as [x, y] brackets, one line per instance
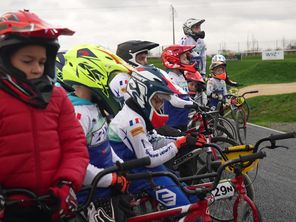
[220, 97]
[214, 95]
[169, 131]
[190, 141]
[66, 198]
[119, 183]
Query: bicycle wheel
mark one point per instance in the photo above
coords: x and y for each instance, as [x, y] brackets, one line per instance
[221, 209]
[241, 126]
[223, 142]
[222, 127]
[246, 109]
[247, 214]
[226, 124]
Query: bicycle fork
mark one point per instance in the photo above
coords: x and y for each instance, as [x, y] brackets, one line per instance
[243, 197]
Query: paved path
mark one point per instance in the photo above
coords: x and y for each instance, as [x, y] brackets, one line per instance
[270, 89]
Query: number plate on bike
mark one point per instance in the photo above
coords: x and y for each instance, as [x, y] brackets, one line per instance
[223, 190]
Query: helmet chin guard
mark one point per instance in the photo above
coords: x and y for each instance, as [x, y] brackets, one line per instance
[23, 28]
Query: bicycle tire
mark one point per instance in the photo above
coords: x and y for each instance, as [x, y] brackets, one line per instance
[241, 126]
[203, 159]
[246, 108]
[217, 208]
[223, 128]
[246, 214]
[222, 209]
[226, 124]
[224, 142]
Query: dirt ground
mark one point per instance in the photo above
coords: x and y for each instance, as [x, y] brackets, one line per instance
[269, 89]
[273, 89]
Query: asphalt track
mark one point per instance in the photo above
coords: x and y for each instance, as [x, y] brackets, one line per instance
[275, 183]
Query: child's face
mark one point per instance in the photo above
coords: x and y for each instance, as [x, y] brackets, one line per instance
[184, 58]
[30, 60]
[192, 86]
[196, 28]
[219, 70]
[157, 101]
[142, 58]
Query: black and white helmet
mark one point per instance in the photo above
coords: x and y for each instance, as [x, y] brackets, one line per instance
[128, 50]
[187, 26]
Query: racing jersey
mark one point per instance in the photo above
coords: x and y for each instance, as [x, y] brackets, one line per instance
[215, 86]
[95, 128]
[198, 53]
[118, 86]
[177, 116]
[130, 139]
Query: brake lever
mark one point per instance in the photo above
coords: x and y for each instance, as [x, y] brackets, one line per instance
[276, 146]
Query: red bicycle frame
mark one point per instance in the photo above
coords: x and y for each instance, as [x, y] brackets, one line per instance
[238, 181]
[191, 213]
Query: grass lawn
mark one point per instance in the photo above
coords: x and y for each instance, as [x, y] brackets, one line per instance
[273, 109]
[252, 70]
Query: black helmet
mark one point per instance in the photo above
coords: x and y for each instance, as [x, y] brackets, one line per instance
[128, 50]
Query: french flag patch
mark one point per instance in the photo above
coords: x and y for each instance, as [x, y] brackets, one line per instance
[134, 121]
[121, 82]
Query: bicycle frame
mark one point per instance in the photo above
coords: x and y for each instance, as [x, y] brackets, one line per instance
[238, 181]
[191, 212]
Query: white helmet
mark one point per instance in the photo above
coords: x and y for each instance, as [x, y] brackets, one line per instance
[219, 58]
[187, 26]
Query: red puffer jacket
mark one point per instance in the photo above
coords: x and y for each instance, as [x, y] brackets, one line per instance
[39, 147]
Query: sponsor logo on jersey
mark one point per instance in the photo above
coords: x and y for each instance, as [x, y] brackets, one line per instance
[166, 197]
[136, 131]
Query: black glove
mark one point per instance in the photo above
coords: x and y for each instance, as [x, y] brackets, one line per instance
[169, 131]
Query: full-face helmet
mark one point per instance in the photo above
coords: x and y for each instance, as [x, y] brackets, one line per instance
[130, 49]
[94, 67]
[188, 25]
[171, 57]
[150, 82]
[23, 28]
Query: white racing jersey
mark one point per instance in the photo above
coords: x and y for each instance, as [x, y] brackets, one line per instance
[130, 139]
[198, 53]
[118, 86]
[215, 86]
[177, 116]
[96, 130]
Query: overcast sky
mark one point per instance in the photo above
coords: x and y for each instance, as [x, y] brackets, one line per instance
[229, 23]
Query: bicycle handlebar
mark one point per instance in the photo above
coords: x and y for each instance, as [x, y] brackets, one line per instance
[145, 161]
[217, 175]
[118, 167]
[33, 196]
[283, 136]
[242, 95]
[249, 92]
[273, 138]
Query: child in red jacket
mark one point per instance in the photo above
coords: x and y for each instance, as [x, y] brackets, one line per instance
[42, 145]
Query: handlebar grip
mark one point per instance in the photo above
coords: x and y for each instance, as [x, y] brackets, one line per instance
[145, 161]
[137, 176]
[254, 91]
[283, 136]
[254, 156]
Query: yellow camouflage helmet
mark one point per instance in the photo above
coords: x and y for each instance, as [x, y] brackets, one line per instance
[94, 67]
